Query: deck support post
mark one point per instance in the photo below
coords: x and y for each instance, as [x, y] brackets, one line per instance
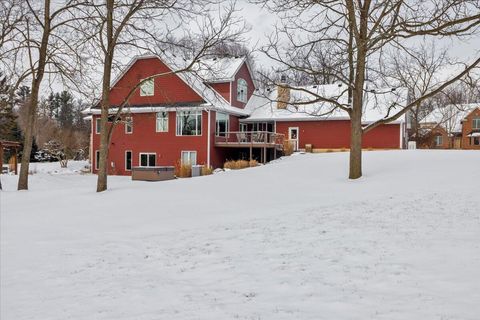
[251, 152]
[264, 155]
[15, 161]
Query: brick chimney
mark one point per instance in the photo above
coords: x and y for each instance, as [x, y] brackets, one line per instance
[283, 93]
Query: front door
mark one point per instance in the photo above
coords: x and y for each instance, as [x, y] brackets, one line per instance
[293, 137]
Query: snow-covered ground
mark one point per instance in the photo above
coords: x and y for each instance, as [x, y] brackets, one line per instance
[290, 240]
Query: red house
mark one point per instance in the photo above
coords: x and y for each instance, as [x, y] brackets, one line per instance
[214, 114]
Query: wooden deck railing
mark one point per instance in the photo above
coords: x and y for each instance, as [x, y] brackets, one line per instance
[247, 138]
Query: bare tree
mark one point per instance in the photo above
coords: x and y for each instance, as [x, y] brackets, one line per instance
[419, 70]
[121, 28]
[358, 34]
[42, 45]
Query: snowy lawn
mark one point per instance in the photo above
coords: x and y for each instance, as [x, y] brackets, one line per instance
[290, 240]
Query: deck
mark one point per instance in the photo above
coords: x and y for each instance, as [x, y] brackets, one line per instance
[250, 139]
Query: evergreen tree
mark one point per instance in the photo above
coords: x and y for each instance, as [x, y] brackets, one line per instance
[9, 129]
[65, 115]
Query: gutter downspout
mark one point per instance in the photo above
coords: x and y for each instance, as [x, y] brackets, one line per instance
[208, 138]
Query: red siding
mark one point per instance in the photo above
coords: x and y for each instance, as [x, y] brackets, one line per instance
[166, 145]
[223, 89]
[168, 89]
[244, 74]
[336, 134]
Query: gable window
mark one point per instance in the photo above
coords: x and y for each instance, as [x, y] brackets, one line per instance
[98, 126]
[189, 157]
[189, 123]
[476, 123]
[162, 121]
[129, 125]
[147, 88]
[242, 88]
[128, 160]
[438, 140]
[97, 159]
[222, 124]
[148, 159]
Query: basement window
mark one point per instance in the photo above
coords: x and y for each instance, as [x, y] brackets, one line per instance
[189, 157]
[148, 159]
[147, 88]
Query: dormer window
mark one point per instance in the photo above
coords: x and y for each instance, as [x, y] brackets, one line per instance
[147, 88]
[242, 88]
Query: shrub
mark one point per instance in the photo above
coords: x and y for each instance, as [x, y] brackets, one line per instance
[253, 163]
[235, 165]
[288, 147]
[183, 170]
[206, 171]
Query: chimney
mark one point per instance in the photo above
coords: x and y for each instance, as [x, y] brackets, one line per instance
[283, 93]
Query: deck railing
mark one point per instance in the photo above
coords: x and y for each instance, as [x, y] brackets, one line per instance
[247, 138]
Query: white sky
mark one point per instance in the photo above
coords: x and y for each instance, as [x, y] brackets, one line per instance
[262, 23]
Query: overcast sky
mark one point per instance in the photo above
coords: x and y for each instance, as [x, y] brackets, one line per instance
[262, 22]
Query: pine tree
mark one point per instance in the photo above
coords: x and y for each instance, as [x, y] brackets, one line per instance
[9, 129]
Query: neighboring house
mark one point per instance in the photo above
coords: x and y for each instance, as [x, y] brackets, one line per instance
[452, 127]
[217, 113]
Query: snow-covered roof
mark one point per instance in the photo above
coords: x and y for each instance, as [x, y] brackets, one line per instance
[450, 116]
[302, 106]
[221, 69]
[193, 78]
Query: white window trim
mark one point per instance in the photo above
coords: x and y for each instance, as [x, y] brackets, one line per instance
[438, 138]
[227, 127]
[97, 130]
[191, 135]
[131, 160]
[131, 125]
[146, 153]
[97, 159]
[189, 152]
[156, 121]
[244, 97]
[153, 88]
[475, 121]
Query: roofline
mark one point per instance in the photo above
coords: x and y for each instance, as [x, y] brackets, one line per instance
[249, 120]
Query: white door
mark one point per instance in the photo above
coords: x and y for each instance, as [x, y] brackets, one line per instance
[293, 137]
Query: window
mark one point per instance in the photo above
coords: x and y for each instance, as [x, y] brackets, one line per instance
[476, 123]
[97, 159]
[242, 88]
[438, 140]
[128, 160]
[243, 127]
[189, 123]
[222, 124]
[98, 126]
[148, 159]
[129, 125]
[476, 141]
[189, 157]
[147, 88]
[162, 121]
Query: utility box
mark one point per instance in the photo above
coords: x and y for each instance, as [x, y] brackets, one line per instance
[308, 147]
[197, 170]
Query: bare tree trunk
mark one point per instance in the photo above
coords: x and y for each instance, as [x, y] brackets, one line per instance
[355, 171]
[33, 103]
[107, 70]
